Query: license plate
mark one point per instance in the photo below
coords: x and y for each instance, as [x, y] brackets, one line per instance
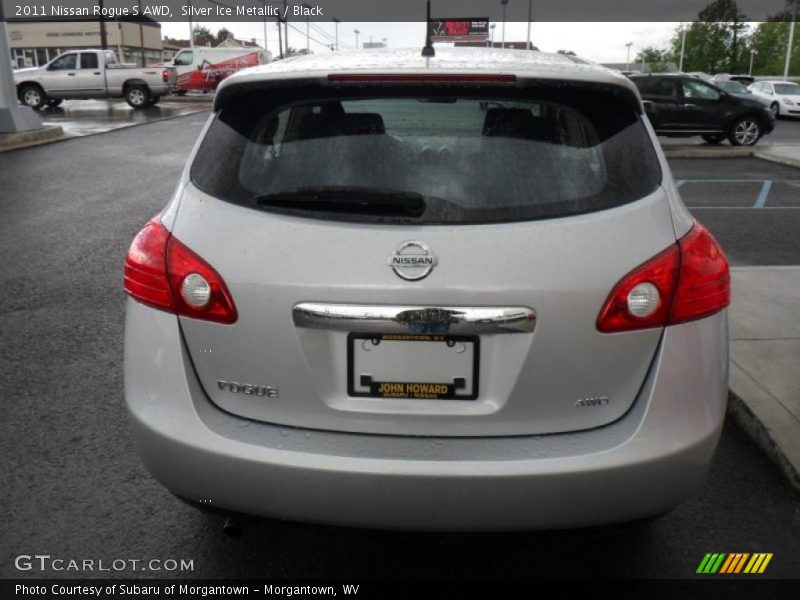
[413, 366]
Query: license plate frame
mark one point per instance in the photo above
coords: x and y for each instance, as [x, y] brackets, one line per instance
[433, 391]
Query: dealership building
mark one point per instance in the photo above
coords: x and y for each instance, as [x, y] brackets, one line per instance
[34, 43]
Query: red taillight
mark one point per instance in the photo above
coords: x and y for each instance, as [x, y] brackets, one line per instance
[691, 280]
[705, 286]
[165, 75]
[421, 78]
[161, 272]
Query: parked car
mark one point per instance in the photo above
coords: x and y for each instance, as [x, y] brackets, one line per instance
[782, 97]
[372, 303]
[734, 88]
[684, 106]
[92, 74]
[203, 69]
[743, 79]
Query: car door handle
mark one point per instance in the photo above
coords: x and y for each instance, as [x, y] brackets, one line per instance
[70, 74]
[97, 73]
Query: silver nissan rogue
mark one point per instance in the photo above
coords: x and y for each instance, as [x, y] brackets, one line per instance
[458, 292]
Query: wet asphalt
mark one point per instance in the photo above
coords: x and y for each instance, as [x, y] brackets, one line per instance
[73, 486]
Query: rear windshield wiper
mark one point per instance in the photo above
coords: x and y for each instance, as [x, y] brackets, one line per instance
[352, 200]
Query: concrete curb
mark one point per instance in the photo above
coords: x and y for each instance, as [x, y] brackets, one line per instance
[783, 159]
[708, 151]
[25, 139]
[766, 422]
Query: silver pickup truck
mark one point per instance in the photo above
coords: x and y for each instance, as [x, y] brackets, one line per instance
[92, 74]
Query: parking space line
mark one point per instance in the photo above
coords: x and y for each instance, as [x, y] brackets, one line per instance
[743, 207]
[763, 194]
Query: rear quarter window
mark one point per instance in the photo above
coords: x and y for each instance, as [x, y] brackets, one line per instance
[470, 156]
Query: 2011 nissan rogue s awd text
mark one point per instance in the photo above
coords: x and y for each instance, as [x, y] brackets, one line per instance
[447, 293]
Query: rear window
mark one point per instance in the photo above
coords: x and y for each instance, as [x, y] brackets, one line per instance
[427, 155]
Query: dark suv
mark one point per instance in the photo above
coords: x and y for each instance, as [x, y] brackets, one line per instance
[684, 106]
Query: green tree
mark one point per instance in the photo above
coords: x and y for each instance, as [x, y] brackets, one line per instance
[717, 42]
[202, 36]
[769, 40]
[223, 34]
[655, 59]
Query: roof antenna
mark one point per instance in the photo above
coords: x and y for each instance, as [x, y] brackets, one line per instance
[428, 50]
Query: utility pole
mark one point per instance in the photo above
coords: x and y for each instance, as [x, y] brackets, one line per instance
[266, 46]
[683, 47]
[752, 54]
[791, 42]
[529, 47]
[191, 27]
[503, 42]
[336, 26]
[308, 36]
[141, 34]
[286, 27]
[103, 36]
[280, 40]
[356, 31]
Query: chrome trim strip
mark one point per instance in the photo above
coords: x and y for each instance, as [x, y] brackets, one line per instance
[456, 320]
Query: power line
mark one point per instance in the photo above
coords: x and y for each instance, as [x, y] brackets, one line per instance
[327, 45]
[330, 37]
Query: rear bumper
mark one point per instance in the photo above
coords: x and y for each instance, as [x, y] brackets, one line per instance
[646, 463]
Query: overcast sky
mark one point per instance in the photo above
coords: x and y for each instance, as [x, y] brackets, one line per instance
[600, 42]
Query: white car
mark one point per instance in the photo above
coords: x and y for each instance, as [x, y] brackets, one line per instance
[782, 97]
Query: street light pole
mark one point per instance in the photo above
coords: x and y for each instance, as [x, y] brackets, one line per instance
[683, 47]
[356, 31]
[791, 41]
[528, 46]
[628, 60]
[503, 42]
[336, 26]
[752, 54]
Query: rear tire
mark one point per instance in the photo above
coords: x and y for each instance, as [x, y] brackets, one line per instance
[714, 139]
[776, 109]
[137, 96]
[54, 102]
[33, 96]
[745, 131]
[179, 92]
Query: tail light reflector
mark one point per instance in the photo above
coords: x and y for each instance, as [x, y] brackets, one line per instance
[162, 272]
[687, 281]
[165, 75]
